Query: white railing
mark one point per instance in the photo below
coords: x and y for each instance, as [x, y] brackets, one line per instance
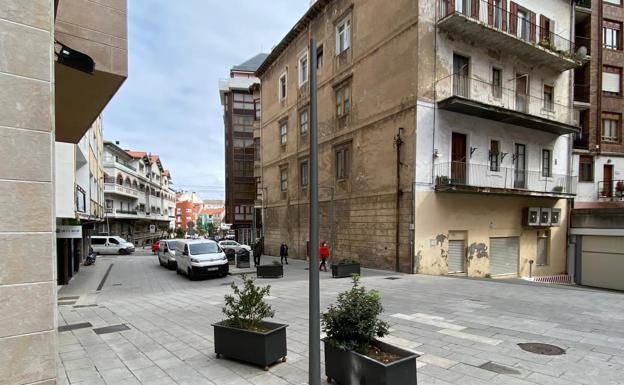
[119, 189]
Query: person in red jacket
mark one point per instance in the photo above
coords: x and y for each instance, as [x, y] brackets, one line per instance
[324, 255]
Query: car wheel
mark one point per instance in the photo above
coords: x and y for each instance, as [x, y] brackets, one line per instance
[122, 251]
[190, 274]
[177, 270]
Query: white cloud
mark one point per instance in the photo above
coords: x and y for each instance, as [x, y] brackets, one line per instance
[177, 52]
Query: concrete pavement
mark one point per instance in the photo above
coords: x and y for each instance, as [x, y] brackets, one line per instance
[466, 331]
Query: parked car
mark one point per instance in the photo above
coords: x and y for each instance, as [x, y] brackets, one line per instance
[166, 253]
[229, 244]
[155, 247]
[111, 245]
[200, 257]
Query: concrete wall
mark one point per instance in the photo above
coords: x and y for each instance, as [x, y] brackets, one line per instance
[27, 296]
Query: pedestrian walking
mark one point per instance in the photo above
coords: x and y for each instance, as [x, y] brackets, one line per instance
[284, 253]
[257, 252]
[324, 255]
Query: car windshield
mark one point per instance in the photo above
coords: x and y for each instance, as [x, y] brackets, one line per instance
[204, 248]
[171, 245]
[120, 240]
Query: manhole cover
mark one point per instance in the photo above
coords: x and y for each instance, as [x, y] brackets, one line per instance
[544, 349]
[392, 278]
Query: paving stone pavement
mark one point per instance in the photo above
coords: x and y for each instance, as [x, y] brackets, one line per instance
[456, 325]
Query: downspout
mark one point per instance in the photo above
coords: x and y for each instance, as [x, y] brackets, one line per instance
[398, 141]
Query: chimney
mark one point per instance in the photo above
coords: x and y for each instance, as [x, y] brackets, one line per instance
[117, 142]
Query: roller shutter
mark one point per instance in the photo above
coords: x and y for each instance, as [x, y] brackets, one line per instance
[504, 256]
[456, 256]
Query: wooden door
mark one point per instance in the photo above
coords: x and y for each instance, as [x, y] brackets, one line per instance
[607, 180]
[461, 71]
[522, 84]
[458, 158]
[520, 166]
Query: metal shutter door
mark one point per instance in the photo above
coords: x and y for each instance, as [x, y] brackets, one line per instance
[503, 256]
[603, 262]
[456, 256]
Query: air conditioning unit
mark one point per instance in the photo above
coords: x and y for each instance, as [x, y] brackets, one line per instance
[532, 216]
[545, 216]
[555, 217]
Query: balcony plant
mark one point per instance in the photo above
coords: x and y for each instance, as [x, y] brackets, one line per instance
[558, 189]
[619, 188]
[345, 268]
[442, 180]
[274, 270]
[353, 353]
[245, 335]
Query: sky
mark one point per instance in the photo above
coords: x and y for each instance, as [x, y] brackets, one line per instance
[177, 52]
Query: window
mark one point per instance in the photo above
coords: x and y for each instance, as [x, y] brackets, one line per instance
[616, 2]
[523, 24]
[283, 133]
[304, 174]
[343, 100]
[343, 36]
[610, 127]
[257, 109]
[497, 83]
[498, 13]
[546, 163]
[542, 251]
[494, 155]
[189, 210]
[549, 95]
[586, 168]
[303, 69]
[611, 34]
[319, 57]
[257, 149]
[282, 86]
[611, 80]
[342, 162]
[303, 121]
[284, 179]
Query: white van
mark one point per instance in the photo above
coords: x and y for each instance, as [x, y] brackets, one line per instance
[166, 253]
[200, 257]
[102, 244]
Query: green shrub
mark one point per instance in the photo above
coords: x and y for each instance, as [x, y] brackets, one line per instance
[246, 309]
[347, 261]
[353, 324]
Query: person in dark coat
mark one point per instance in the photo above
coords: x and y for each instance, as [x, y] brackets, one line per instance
[257, 252]
[284, 253]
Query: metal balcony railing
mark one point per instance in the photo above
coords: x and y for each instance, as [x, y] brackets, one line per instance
[497, 95]
[583, 3]
[457, 174]
[500, 18]
[611, 189]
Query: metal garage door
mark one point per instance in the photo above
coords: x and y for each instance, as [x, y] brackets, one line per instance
[504, 256]
[456, 255]
[602, 262]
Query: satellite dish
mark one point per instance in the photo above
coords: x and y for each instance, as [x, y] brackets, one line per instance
[582, 52]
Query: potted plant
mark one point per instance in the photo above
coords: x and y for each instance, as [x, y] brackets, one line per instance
[274, 270]
[245, 335]
[558, 189]
[619, 188]
[353, 355]
[442, 180]
[345, 268]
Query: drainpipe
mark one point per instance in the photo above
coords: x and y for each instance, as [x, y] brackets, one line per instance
[398, 141]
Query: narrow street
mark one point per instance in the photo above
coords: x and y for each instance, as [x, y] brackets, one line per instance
[466, 330]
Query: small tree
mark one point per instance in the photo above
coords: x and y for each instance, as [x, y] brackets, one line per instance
[353, 324]
[179, 233]
[246, 309]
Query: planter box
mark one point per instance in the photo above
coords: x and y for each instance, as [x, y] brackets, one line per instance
[345, 270]
[351, 368]
[270, 271]
[257, 348]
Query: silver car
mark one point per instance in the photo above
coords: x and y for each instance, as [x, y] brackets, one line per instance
[166, 253]
[228, 244]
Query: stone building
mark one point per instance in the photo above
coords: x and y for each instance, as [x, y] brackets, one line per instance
[444, 134]
[48, 92]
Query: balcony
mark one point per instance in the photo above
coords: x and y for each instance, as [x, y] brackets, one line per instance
[478, 178]
[113, 188]
[495, 27]
[473, 96]
[583, 5]
[611, 190]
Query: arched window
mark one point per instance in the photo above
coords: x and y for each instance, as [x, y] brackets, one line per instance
[135, 185]
[119, 179]
[127, 182]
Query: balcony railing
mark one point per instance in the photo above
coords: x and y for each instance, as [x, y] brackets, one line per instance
[501, 19]
[500, 96]
[461, 176]
[122, 190]
[611, 190]
[583, 3]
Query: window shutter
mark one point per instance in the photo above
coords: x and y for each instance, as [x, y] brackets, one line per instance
[532, 26]
[490, 6]
[475, 8]
[450, 7]
[542, 32]
[513, 19]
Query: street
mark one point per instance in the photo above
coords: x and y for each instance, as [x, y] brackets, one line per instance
[466, 330]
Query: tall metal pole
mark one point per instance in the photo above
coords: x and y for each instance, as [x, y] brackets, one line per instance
[314, 304]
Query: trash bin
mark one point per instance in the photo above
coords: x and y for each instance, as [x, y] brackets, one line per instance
[242, 258]
[230, 255]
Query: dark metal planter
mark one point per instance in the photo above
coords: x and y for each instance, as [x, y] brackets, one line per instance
[351, 368]
[345, 270]
[270, 271]
[257, 348]
[230, 254]
[242, 259]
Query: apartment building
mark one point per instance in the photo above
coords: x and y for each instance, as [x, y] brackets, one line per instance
[45, 99]
[444, 134]
[79, 194]
[238, 117]
[597, 233]
[188, 208]
[139, 200]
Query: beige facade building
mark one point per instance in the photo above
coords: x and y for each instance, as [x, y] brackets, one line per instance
[43, 101]
[445, 130]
